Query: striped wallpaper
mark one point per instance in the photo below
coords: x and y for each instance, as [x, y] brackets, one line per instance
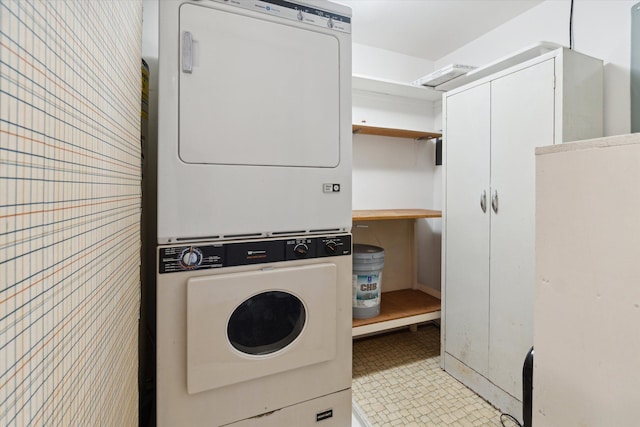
[69, 212]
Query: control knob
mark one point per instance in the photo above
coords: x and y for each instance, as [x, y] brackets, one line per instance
[301, 250]
[330, 247]
[191, 257]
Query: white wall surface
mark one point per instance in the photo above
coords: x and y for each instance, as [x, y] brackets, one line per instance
[381, 63]
[394, 158]
[392, 173]
[70, 113]
[601, 28]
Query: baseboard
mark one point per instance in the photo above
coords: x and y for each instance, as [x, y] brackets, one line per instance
[359, 415]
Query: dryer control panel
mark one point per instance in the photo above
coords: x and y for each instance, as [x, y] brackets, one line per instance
[296, 12]
[202, 256]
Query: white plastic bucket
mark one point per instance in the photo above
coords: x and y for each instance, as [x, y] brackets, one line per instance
[368, 262]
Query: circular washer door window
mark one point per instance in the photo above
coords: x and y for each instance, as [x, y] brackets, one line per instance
[266, 323]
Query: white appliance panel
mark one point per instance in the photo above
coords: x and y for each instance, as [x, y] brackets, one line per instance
[211, 301]
[587, 298]
[307, 413]
[282, 165]
[259, 93]
[199, 286]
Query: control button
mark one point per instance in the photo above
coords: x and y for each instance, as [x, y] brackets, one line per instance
[190, 257]
[330, 23]
[331, 247]
[299, 15]
[301, 250]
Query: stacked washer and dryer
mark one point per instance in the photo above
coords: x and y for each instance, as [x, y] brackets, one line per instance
[254, 214]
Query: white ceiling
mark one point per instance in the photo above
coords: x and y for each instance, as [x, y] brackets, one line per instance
[428, 29]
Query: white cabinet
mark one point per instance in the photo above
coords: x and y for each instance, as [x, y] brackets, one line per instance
[491, 129]
[587, 298]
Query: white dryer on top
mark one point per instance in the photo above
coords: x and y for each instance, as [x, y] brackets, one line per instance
[254, 134]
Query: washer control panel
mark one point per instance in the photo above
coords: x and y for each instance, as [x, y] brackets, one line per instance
[202, 256]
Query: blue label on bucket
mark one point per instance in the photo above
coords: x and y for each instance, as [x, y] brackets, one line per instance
[366, 290]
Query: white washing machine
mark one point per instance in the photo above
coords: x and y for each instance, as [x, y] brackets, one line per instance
[255, 333]
[254, 135]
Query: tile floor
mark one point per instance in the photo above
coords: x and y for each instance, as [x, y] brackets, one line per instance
[397, 381]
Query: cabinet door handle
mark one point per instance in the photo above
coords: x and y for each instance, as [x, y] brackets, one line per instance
[494, 201]
[483, 201]
[187, 52]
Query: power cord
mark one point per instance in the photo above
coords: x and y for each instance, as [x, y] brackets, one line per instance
[571, 26]
[509, 417]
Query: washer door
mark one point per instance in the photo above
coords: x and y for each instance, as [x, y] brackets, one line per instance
[266, 323]
[247, 325]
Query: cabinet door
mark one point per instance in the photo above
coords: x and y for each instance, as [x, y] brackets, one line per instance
[467, 227]
[522, 117]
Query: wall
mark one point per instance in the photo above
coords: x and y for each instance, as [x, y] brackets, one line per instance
[69, 212]
[601, 29]
[385, 64]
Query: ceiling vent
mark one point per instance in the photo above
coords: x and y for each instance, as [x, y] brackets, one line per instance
[443, 75]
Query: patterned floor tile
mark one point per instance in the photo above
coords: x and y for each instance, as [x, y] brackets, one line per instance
[397, 381]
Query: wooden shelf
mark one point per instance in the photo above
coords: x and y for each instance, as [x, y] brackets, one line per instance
[386, 214]
[399, 308]
[398, 133]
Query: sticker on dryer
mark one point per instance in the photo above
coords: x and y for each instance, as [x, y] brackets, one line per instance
[331, 188]
[323, 415]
